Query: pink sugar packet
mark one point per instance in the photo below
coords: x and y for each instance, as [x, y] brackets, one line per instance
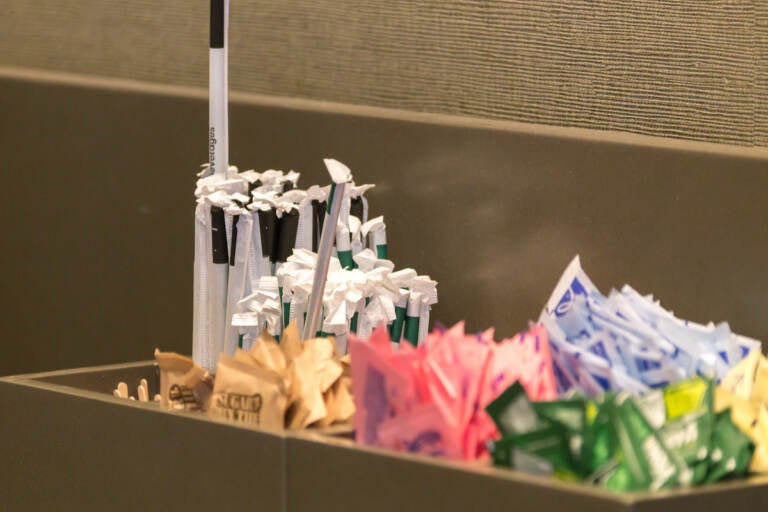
[431, 399]
[526, 358]
[543, 386]
[369, 366]
[479, 431]
[426, 429]
[404, 388]
[474, 359]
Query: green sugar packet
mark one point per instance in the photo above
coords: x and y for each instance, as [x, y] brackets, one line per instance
[543, 451]
[571, 416]
[690, 421]
[531, 442]
[645, 462]
[513, 413]
[732, 449]
[502, 452]
[683, 413]
[600, 445]
[614, 475]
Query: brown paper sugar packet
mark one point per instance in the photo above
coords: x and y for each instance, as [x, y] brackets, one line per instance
[329, 399]
[244, 357]
[345, 403]
[258, 360]
[322, 353]
[309, 405]
[290, 342]
[183, 384]
[268, 353]
[200, 381]
[172, 367]
[247, 393]
[299, 391]
[312, 369]
[339, 404]
[296, 412]
[291, 347]
[346, 367]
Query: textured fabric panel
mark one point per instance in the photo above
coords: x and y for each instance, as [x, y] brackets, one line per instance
[695, 69]
[760, 137]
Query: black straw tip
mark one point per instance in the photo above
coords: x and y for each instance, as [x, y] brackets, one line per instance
[217, 23]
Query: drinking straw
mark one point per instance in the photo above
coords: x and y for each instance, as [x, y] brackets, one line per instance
[340, 176]
[344, 247]
[378, 235]
[219, 163]
[237, 280]
[218, 125]
[396, 328]
[412, 318]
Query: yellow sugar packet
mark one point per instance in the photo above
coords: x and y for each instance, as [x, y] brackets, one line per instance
[740, 379]
[760, 386]
[745, 390]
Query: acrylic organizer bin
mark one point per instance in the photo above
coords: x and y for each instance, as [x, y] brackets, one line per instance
[70, 445]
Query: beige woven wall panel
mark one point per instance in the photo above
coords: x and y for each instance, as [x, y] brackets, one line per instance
[694, 69]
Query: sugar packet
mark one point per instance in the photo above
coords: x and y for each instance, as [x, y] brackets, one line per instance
[627, 342]
[245, 392]
[184, 385]
[665, 438]
[430, 399]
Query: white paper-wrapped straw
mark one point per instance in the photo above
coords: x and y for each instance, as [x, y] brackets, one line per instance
[340, 176]
[211, 251]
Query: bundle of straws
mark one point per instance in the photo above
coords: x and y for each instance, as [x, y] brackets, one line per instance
[264, 249]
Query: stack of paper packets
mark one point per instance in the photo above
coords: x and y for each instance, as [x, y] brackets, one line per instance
[662, 439]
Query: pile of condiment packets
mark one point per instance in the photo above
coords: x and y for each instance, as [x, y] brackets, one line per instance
[667, 437]
[628, 342]
[292, 384]
[430, 399]
[636, 388]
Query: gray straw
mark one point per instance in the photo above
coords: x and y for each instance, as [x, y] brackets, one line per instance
[323, 258]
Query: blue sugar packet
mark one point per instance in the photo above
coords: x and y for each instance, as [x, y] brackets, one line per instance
[574, 282]
[588, 363]
[628, 342]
